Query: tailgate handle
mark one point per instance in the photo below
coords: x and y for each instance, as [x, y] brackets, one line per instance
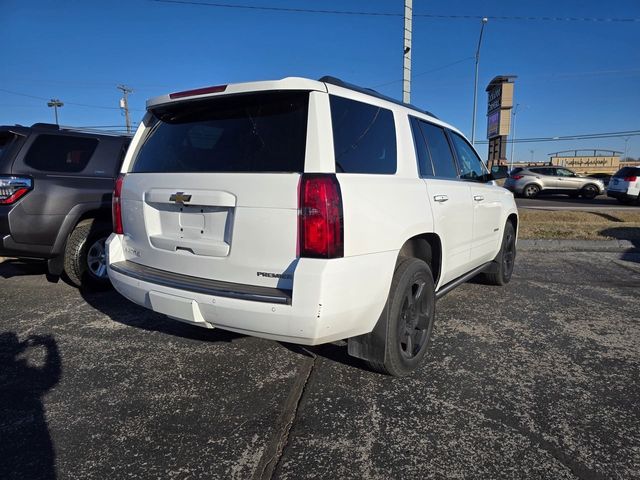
[206, 198]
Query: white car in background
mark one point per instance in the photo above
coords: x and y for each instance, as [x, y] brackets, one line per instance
[306, 211]
[625, 185]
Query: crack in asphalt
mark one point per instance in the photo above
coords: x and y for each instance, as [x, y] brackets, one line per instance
[270, 460]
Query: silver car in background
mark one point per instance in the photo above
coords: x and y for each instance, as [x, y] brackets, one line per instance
[531, 181]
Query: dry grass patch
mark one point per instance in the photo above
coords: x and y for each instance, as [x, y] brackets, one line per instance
[579, 225]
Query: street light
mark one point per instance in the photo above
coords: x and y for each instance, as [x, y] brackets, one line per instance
[513, 134]
[475, 84]
[55, 103]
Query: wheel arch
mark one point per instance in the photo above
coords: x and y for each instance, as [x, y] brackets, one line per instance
[426, 247]
[85, 211]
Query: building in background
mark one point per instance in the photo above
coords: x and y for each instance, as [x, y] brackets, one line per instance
[584, 162]
[587, 162]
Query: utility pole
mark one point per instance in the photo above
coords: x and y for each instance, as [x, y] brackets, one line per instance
[55, 103]
[513, 133]
[406, 70]
[124, 104]
[475, 84]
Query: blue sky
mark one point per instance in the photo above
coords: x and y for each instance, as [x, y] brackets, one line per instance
[574, 77]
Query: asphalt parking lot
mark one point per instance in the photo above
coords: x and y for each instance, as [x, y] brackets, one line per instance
[539, 379]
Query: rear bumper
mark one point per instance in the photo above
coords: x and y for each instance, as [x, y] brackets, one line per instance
[331, 299]
[10, 248]
[513, 187]
[620, 195]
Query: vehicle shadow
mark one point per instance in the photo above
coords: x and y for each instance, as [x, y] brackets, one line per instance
[336, 352]
[26, 448]
[14, 267]
[632, 234]
[121, 310]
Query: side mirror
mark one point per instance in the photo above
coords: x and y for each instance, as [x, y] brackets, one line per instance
[499, 171]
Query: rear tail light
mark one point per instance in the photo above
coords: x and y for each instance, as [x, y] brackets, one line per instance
[13, 188]
[198, 91]
[630, 179]
[321, 229]
[517, 177]
[116, 205]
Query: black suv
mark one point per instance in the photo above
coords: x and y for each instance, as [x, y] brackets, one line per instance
[55, 197]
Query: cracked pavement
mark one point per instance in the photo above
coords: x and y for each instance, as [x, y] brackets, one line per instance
[538, 379]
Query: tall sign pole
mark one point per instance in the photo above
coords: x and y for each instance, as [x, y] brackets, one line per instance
[499, 105]
[475, 84]
[406, 67]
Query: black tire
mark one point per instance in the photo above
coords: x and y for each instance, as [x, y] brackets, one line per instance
[530, 191]
[502, 267]
[408, 317]
[589, 192]
[80, 264]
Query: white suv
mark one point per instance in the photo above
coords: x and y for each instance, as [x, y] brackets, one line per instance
[625, 185]
[308, 212]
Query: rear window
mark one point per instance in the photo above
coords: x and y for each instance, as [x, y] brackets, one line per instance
[544, 171]
[364, 137]
[257, 132]
[628, 172]
[60, 153]
[5, 142]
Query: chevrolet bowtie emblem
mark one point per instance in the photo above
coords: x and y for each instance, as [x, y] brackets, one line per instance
[179, 197]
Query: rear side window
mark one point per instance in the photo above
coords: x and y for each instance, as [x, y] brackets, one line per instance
[364, 137]
[471, 167]
[60, 153]
[439, 150]
[257, 132]
[544, 171]
[5, 142]
[628, 172]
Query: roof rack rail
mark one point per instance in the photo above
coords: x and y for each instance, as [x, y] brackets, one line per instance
[48, 126]
[373, 93]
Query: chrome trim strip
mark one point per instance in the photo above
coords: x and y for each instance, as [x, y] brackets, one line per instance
[202, 285]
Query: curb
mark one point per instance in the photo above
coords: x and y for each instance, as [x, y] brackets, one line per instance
[580, 245]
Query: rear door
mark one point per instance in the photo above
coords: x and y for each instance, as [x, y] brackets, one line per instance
[449, 196]
[213, 189]
[547, 177]
[487, 206]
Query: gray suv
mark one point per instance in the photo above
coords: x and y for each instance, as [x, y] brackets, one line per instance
[55, 197]
[532, 181]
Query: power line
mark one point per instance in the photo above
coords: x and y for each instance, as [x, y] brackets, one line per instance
[390, 14]
[586, 136]
[441, 67]
[66, 103]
